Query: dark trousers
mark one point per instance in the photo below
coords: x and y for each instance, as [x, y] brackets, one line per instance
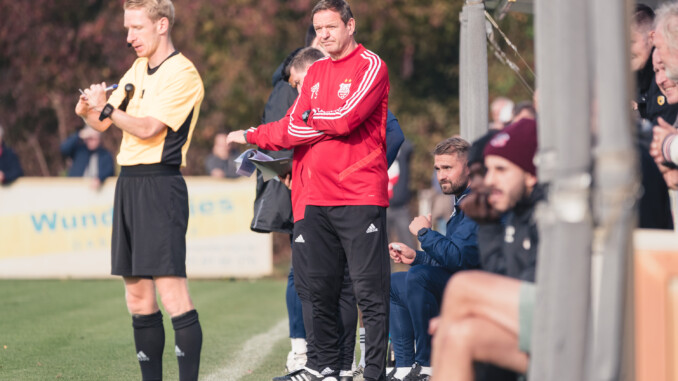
[416, 296]
[331, 238]
[347, 320]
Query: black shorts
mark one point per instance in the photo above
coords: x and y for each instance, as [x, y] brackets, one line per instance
[150, 218]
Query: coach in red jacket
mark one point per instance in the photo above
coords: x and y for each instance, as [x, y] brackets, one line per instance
[341, 175]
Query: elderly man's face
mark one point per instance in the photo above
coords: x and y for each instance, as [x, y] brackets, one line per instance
[667, 86]
[667, 54]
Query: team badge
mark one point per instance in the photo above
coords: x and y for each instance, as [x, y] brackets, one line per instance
[314, 90]
[661, 100]
[344, 89]
[500, 140]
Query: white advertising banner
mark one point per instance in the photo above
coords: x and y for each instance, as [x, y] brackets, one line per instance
[60, 227]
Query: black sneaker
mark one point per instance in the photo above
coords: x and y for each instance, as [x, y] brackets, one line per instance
[415, 374]
[303, 374]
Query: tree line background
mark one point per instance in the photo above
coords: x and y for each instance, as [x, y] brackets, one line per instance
[49, 49]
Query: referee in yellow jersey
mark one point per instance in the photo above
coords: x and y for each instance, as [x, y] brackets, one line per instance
[151, 200]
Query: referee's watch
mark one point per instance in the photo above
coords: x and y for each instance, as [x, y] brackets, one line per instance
[106, 112]
[421, 232]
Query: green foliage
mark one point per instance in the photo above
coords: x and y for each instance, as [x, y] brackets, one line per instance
[50, 49]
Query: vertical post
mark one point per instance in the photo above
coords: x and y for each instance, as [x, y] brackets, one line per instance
[474, 75]
[463, 74]
[561, 321]
[617, 182]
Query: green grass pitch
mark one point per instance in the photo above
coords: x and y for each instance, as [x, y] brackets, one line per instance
[81, 330]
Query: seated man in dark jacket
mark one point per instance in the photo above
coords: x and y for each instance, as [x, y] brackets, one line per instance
[486, 316]
[89, 158]
[416, 294]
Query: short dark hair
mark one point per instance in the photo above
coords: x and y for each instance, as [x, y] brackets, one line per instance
[305, 57]
[643, 17]
[524, 105]
[287, 64]
[453, 145]
[310, 36]
[339, 6]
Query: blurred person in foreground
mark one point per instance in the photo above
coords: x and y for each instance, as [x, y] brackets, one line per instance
[487, 317]
[150, 213]
[10, 167]
[89, 158]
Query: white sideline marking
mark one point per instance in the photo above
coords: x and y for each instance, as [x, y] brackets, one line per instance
[251, 354]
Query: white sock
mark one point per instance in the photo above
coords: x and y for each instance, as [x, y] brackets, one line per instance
[362, 347]
[402, 372]
[345, 373]
[425, 370]
[298, 346]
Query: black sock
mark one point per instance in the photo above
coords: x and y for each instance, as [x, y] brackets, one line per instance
[149, 338]
[188, 342]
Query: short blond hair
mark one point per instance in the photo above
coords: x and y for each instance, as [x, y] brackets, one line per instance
[156, 9]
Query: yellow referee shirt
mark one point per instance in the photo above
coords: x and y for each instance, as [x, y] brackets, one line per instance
[171, 93]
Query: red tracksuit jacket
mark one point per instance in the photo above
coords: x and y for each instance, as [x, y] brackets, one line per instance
[340, 153]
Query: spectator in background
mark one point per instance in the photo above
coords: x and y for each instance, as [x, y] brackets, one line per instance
[221, 162]
[524, 109]
[501, 110]
[398, 214]
[10, 167]
[650, 100]
[89, 158]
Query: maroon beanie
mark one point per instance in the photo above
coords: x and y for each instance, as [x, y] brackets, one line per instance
[516, 143]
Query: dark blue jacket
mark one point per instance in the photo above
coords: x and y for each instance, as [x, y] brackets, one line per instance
[9, 164]
[76, 149]
[457, 249]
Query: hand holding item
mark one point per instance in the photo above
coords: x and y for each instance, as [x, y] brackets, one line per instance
[401, 253]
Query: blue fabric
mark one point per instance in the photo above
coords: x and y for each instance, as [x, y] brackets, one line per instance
[76, 149]
[416, 295]
[9, 165]
[294, 315]
[457, 249]
[394, 138]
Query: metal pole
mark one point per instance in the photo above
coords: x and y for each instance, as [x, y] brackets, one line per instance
[617, 182]
[475, 71]
[463, 74]
[559, 344]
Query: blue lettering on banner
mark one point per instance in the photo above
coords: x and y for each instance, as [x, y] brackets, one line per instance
[54, 221]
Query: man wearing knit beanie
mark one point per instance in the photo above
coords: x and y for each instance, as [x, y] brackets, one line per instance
[509, 158]
[487, 316]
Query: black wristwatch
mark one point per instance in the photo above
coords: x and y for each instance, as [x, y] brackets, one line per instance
[106, 112]
[244, 134]
[421, 232]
